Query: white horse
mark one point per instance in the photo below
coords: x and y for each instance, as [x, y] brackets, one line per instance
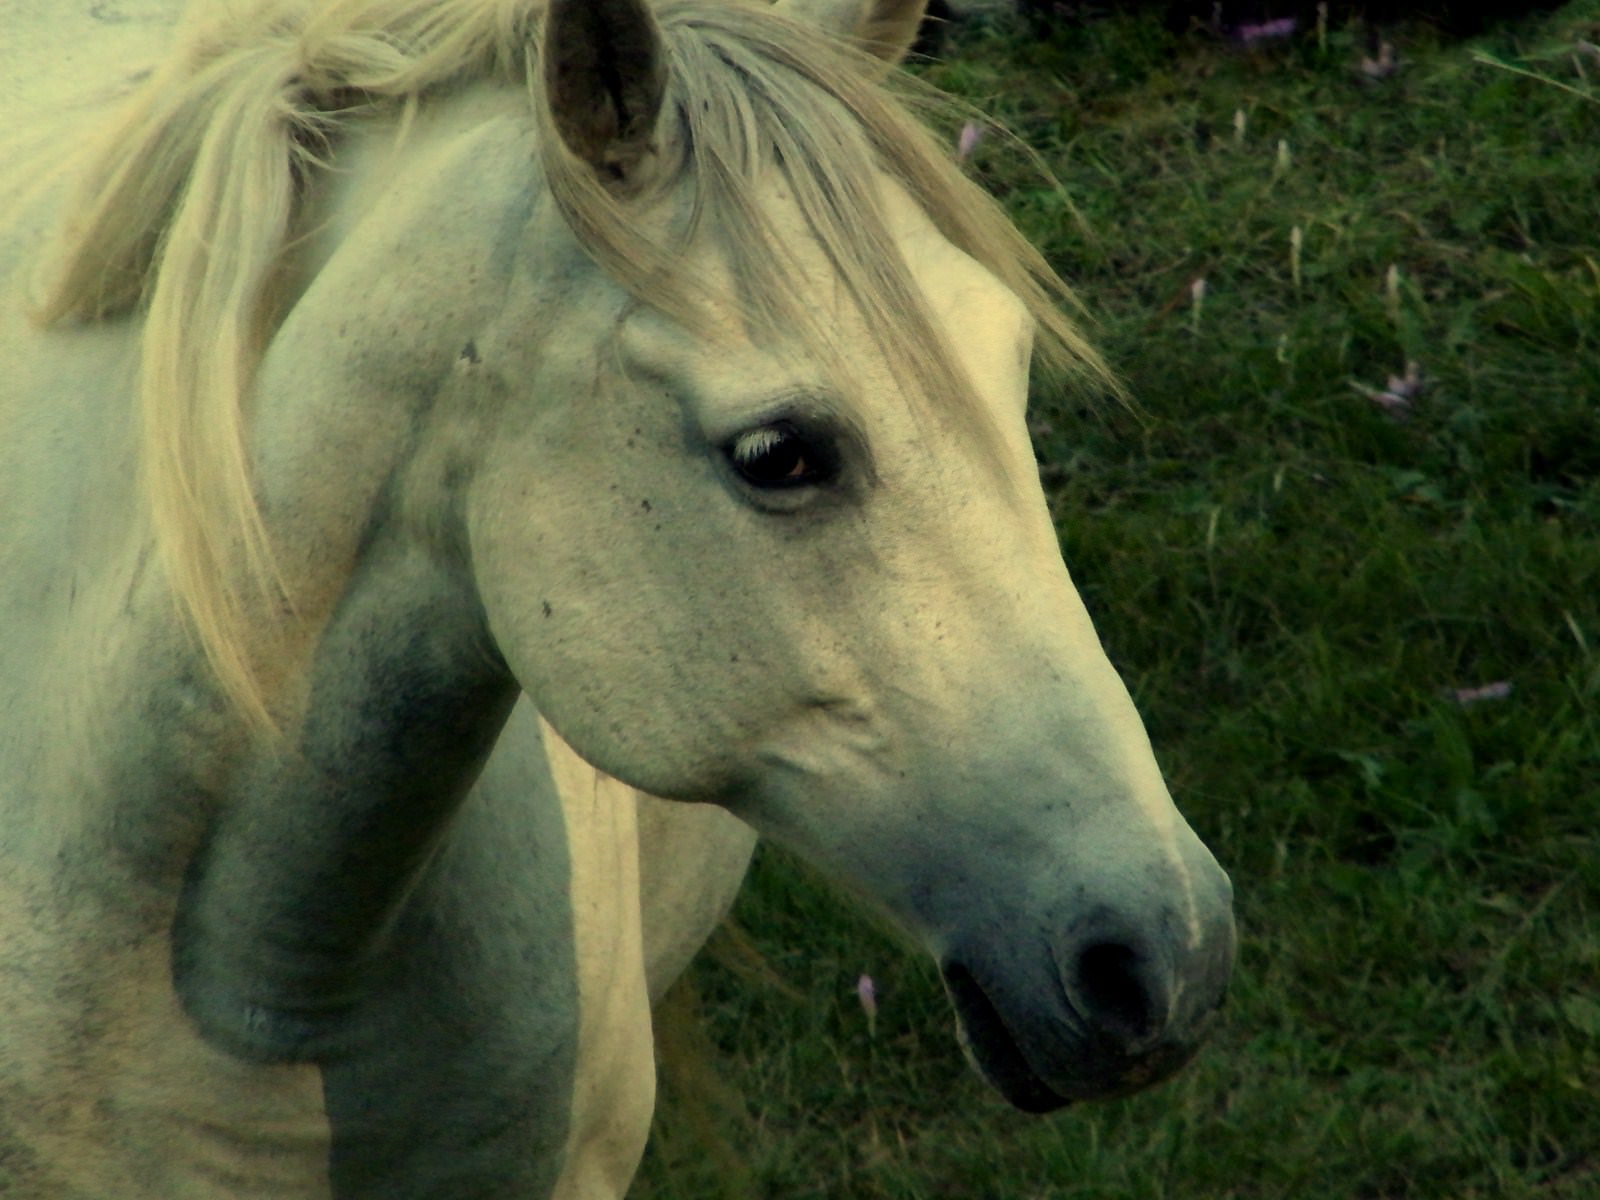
[430, 427]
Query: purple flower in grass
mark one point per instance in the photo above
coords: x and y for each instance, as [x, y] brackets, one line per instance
[1398, 391]
[1266, 31]
[867, 993]
[1497, 690]
[971, 134]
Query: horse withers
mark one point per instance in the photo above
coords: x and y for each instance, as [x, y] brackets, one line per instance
[452, 455]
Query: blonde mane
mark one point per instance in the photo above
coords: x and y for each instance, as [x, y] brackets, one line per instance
[190, 198]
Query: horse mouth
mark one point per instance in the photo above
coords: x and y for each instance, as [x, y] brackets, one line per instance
[1100, 1072]
[991, 1049]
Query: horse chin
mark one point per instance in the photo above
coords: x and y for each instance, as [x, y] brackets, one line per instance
[992, 1051]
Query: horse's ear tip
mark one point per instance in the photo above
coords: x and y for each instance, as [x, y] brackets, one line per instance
[885, 28]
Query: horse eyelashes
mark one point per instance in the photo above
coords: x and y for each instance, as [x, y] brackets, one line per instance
[777, 455]
[757, 444]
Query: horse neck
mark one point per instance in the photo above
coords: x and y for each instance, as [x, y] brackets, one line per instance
[400, 263]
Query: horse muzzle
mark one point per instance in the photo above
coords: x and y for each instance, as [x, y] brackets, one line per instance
[1099, 1012]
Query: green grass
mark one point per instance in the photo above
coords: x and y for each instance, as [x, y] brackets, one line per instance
[1293, 580]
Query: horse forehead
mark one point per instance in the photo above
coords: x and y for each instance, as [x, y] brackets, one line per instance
[978, 316]
[964, 297]
[971, 306]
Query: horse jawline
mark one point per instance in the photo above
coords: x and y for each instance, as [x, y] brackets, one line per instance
[991, 1049]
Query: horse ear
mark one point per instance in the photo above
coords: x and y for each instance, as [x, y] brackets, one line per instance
[605, 76]
[884, 27]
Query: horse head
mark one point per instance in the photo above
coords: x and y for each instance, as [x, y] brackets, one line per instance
[757, 522]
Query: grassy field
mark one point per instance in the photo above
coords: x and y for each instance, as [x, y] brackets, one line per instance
[1298, 578]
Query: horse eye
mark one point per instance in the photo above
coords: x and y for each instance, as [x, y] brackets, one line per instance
[778, 456]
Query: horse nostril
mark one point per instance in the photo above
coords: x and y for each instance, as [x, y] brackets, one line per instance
[1111, 986]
